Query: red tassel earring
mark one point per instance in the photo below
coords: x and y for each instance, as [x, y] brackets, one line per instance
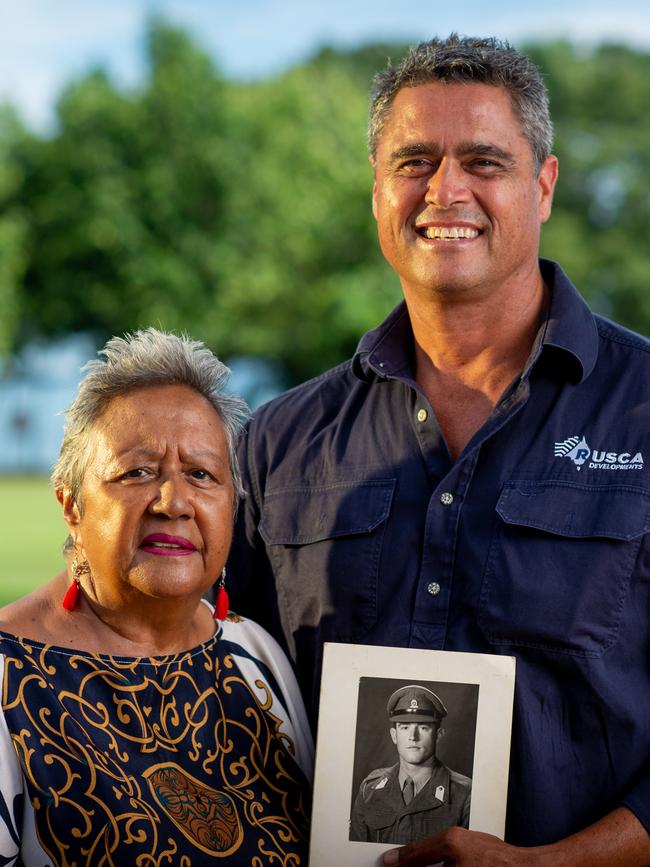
[71, 598]
[221, 605]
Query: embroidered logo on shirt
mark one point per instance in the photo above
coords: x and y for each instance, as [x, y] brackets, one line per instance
[578, 450]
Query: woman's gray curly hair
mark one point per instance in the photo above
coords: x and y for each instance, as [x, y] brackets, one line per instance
[142, 360]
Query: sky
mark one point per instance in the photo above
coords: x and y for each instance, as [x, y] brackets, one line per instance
[46, 43]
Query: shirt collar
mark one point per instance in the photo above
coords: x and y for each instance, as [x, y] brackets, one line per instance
[570, 326]
[386, 351]
[419, 781]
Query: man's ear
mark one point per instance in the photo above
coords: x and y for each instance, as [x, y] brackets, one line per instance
[71, 513]
[393, 735]
[546, 185]
[440, 735]
[373, 163]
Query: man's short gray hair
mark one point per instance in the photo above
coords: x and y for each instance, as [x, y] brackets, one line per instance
[468, 59]
[142, 360]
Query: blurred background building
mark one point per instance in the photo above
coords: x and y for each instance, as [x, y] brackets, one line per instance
[38, 384]
[42, 380]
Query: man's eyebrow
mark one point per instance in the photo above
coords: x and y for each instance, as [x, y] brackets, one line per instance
[482, 149]
[415, 150]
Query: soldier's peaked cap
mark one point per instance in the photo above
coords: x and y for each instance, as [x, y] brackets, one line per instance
[415, 704]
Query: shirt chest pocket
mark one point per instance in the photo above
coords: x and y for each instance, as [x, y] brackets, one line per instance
[560, 564]
[394, 824]
[324, 543]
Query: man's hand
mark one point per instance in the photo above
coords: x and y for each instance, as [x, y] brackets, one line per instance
[618, 840]
[461, 848]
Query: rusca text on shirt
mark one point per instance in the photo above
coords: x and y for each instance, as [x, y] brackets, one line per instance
[577, 450]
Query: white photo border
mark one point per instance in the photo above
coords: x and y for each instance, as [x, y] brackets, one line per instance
[343, 667]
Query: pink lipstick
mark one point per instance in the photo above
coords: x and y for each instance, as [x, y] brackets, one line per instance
[163, 545]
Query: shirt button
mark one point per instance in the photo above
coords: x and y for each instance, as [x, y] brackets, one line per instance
[446, 499]
[422, 415]
[433, 588]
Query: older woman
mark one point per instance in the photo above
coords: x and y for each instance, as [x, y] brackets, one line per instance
[139, 727]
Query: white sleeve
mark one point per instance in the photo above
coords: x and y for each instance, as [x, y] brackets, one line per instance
[11, 791]
[260, 647]
[17, 829]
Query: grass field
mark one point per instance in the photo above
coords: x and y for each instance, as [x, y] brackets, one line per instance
[32, 534]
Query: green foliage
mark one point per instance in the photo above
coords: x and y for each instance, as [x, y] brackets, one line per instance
[600, 229]
[299, 247]
[127, 200]
[13, 229]
[240, 212]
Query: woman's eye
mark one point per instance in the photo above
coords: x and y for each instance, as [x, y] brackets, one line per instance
[201, 475]
[136, 473]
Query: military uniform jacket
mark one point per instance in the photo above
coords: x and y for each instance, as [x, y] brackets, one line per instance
[380, 815]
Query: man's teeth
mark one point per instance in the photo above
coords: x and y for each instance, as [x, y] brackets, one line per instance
[449, 233]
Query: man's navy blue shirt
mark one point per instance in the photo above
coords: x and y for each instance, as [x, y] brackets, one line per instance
[359, 527]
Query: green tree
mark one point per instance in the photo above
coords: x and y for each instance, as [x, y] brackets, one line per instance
[302, 276]
[13, 228]
[600, 228]
[240, 212]
[125, 200]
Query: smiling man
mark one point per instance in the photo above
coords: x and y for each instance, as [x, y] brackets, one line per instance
[418, 795]
[475, 477]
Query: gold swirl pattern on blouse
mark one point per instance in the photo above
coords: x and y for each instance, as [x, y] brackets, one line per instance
[118, 754]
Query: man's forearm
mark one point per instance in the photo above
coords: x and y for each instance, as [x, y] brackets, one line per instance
[618, 840]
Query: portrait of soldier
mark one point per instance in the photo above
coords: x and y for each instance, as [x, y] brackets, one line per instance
[418, 795]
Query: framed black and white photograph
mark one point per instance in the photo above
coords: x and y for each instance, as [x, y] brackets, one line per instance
[409, 742]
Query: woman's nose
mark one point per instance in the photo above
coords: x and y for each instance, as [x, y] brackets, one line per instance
[173, 499]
